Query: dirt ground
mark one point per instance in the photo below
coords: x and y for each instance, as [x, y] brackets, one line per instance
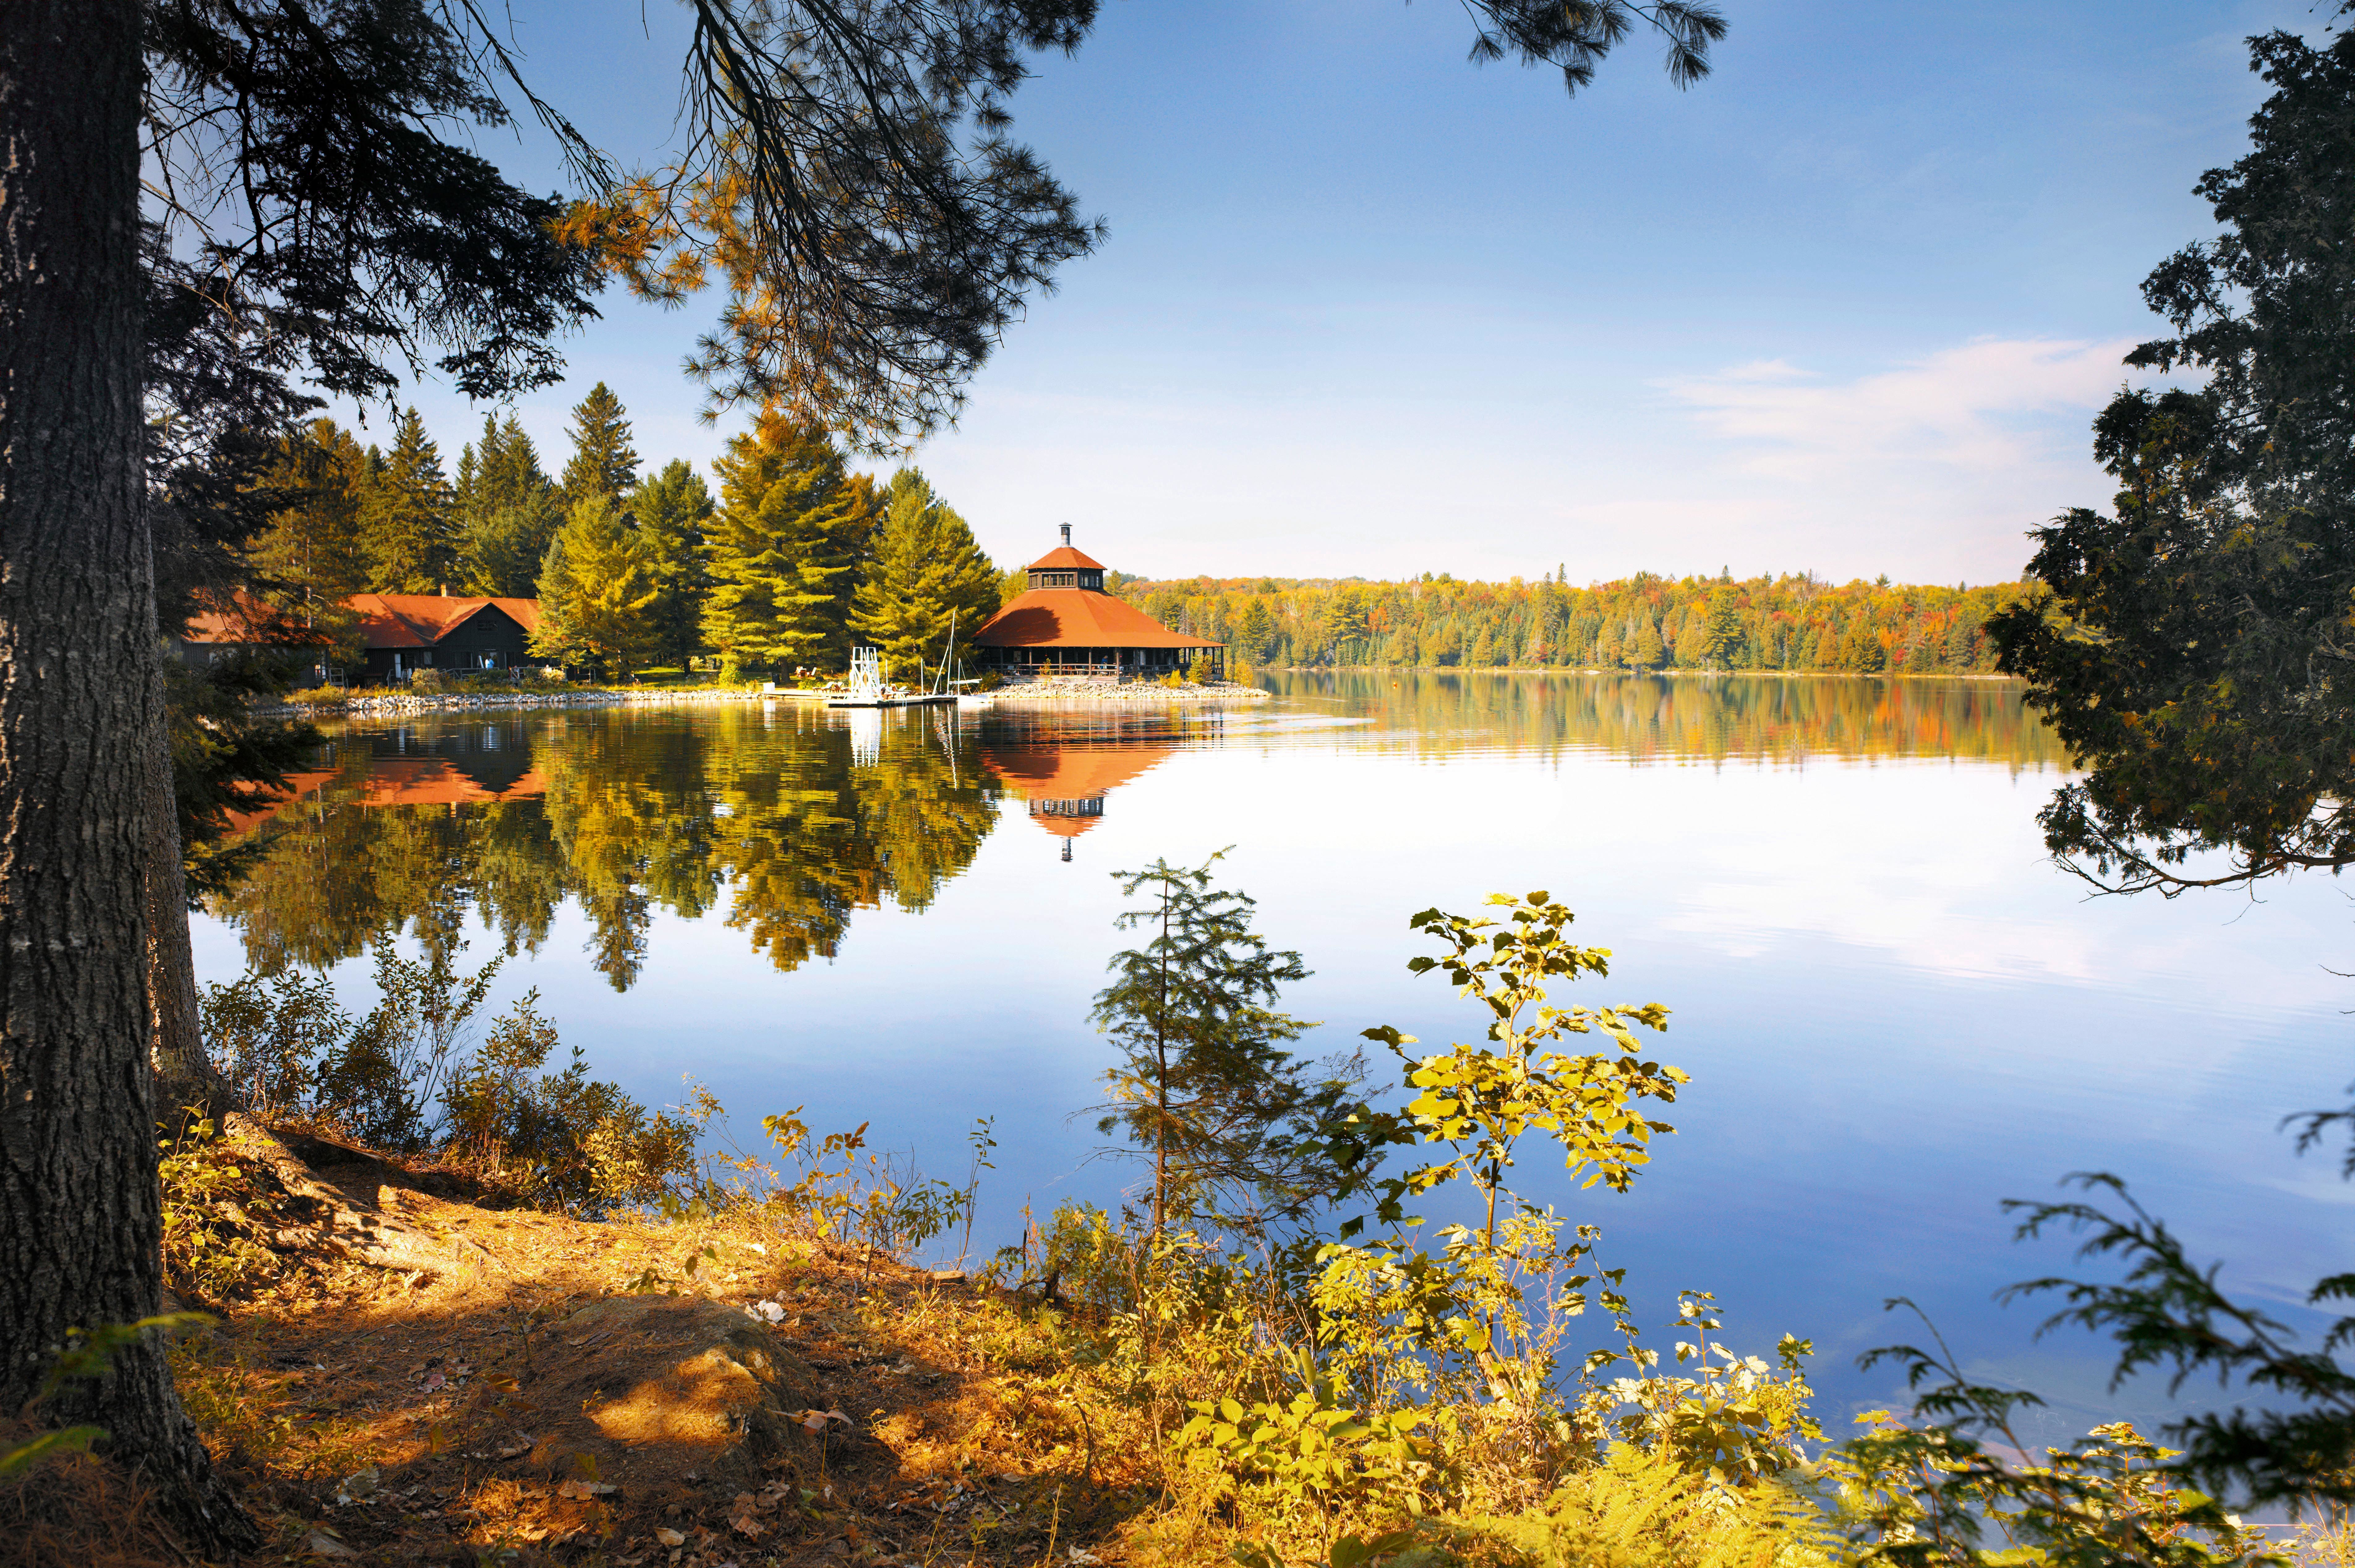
[542, 1390]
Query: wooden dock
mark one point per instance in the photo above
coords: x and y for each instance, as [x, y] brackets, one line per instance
[921, 700]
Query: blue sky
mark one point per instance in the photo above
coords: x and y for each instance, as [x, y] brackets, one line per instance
[1368, 309]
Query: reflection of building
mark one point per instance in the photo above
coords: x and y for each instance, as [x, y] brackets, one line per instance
[458, 766]
[1066, 624]
[1065, 783]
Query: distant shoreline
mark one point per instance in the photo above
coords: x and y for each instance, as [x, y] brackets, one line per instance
[1591, 669]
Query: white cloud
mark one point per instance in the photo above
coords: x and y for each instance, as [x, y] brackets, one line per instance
[1971, 446]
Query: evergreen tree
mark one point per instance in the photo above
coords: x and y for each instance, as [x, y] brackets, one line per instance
[1229, 1119]
[408, 518]
[672, 510]
[603, 462]
[1722, 636]
[783, 548]
[507, 514]
[1345, 624]
[509, 472]
[596, 591]
[310, 558]
[925, 567]
[1645, 649]
[1256, 635]
[1962, 642]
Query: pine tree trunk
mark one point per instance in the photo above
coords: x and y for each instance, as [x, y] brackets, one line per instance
[80, 1207]
[185, 1075]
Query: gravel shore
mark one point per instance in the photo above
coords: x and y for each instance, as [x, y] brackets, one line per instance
[1025, 694]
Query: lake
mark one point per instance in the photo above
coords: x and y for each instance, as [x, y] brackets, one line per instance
[1895, 1010]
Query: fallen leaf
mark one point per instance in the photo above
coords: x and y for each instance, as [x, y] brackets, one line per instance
[325, 1546]
[670, 1537]
[751, 1529]
[584, 1489]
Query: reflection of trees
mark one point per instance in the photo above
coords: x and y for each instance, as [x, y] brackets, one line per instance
[764, 812]
[339, 873]
[1716, 718]
[623, 814]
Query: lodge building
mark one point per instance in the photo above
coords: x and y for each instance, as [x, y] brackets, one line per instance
[405, 632]
[1064, 624]
[399, 634]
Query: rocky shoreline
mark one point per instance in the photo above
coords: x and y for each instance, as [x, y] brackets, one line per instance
[1024, 693]
[570, 697]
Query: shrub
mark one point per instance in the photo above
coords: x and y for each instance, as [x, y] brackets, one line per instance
[1641, 1509]
[266, 1033]
[578, 1145]
[425, 680]
[402, 1080]
[212, 1208]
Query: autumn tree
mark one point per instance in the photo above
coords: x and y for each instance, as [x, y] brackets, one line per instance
[783, 548]
[925, 574]
[1255, 636]
[596, 591]
[1644, 648]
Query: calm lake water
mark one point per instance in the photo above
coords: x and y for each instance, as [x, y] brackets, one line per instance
[1896, 1013]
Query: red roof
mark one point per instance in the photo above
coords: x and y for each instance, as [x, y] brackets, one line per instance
[1046, 773]
[421, 620]
[242, 621]
[398, 781]
[1063, 557]
[1077, 618]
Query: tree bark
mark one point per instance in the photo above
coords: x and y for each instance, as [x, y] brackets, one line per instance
[185, 1077]
[81, 1211]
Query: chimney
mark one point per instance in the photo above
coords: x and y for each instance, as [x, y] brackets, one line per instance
[1067, 535]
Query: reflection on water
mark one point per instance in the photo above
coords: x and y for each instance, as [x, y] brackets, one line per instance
[785, 818]
[775, 816]
[1062, 767]
[1896, 1011]
[1772, 719]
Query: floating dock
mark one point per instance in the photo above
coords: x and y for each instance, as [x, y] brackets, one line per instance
[920, 700]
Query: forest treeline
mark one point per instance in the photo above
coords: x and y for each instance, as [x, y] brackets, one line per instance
[791, 560]
[795, 557]
[1644, 622]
